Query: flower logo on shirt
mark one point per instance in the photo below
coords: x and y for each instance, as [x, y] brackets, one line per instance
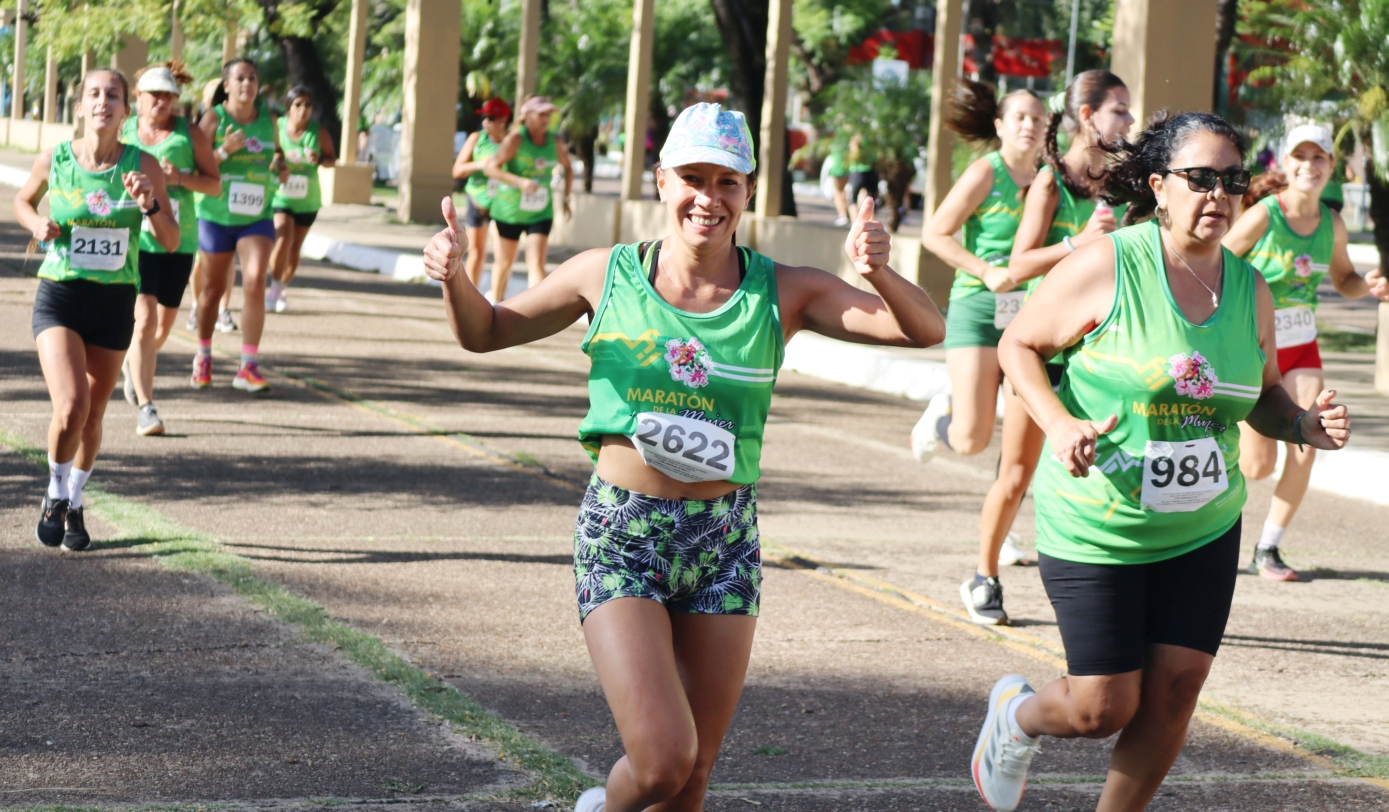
[1302, 266]
[254, 144]
[540, 163]
[1192, 375]
[99, 203]
[689, 362]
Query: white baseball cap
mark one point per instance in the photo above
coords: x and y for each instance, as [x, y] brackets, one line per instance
[1308, 134]
[157, 80]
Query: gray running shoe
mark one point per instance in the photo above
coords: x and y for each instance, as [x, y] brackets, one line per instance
[225, 323]
[192, 325]
[128, 384]
[984, 601]
[1268, 563]
[147, 421]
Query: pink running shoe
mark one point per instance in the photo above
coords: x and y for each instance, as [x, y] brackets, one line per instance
[202, 372]
[249, 378]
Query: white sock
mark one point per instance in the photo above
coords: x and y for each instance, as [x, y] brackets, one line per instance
[58, 479]
[76, 483]
[1013, 718]
[1273, 534]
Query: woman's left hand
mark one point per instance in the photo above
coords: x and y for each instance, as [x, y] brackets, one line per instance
[140, 188]
[1326, 425]
[1379, 286]
[868, 243]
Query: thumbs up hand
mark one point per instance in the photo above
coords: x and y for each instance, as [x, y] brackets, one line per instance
[443, 256]
[1074, 442]
[868, 243]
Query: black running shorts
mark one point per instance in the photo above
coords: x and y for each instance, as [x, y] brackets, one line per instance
[1110, 613]
[302, 219]
[513, 231]
[165, 276]
[103, 315]
[474, 217]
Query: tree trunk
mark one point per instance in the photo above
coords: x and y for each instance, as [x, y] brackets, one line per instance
[743, 24]
[1226, 16]
[584, 146]
[982, 25]
[305, 68]
[1379, 209]
[898, 174]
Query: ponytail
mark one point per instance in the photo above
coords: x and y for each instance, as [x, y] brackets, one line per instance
[220, 94]
[1272, 182]
[1132, 164]
[975, 106]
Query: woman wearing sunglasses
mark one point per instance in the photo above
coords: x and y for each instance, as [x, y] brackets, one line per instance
[1294, 240]
[480, 189]
[1167, 344]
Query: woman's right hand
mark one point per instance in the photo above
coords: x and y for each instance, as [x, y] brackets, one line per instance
[443, 256]
[1074, 441]
[1101, 223]
[233, 141]
[998, 280]
[528, 186]
[48, 232]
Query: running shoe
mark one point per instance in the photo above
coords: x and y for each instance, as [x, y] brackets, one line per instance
[282, 300]
[593, 800]
[841, 221]
[271, 294]
[1001, 758]
[1010, 555]
[128, 384]
[983, 599]
[1268, 563]
[224, 322]
[75, 540]
[51, 520]
[147, 421]
[930, 430]
[202, 371]
[192, 325]
[249, 378]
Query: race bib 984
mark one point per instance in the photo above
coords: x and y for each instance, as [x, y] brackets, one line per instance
[1182, 477]
[684, 448]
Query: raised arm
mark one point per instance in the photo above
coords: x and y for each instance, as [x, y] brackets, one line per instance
[26, 203]
[1248, 229]
[1032, 257]
[964, 197]
[1349, 283]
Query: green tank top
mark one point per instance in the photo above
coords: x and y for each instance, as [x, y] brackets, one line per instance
[301, 193]
[1167, 479]
[480, 187]
[98, 221]
[1070, 218]
[990, 228]
[177, 149]
[247, 184]
[717, 368]
[1294, 265]
[536, 163]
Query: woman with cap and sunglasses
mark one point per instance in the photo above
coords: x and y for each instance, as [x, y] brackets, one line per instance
[307, 147]
[686, 337]
[1294, 239]
[522, 204]
[479, 190]
[185, 155]
[1167, 345]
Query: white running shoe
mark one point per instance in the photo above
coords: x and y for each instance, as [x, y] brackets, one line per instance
[493, 300]
[931, 429]
[282, 300]
[841, 221]
[192, 325]
[272, 293]
[224, 322]
[128, 384]
[1001, 757]
[592, 800]
[1010, 555]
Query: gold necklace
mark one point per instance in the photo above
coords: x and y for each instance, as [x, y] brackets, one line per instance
[1215, 302]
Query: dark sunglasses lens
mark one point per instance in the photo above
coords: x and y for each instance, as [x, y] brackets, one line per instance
[1202, 180]
[1237, 183]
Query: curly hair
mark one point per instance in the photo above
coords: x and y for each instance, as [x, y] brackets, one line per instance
[177, 67]
[1131, 164]
[1089, 88]
[974, 106]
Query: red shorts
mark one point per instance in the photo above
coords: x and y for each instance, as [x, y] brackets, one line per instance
[1303, 356]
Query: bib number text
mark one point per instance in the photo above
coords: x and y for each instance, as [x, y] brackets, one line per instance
[1006, 307]
[98, 249]
[684, 448]
[246, 199]
[1182, 477]
[1295, 326]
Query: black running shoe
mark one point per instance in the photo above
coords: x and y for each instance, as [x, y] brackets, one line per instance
[50, 530]
[1268, 563]
[984, 601]
[76, 538]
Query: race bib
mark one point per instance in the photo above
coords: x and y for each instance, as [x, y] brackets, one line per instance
[246, 198]
[493, 185]
[535, 201]
[145, 224]
[1006, 306]
[296, 188]
[1295, 326]
[684, 448]
[1182, 477]
[98, 249]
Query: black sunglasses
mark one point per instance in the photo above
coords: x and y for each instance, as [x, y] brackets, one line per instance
[1203, 179]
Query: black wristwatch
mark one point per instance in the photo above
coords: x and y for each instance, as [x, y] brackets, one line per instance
[153, 210]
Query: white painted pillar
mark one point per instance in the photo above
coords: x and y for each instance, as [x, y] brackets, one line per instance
[133, 55]
[945, 69]
[638, 97]
[50, 88]
[431, 97]
[230, 43]
[175, 34]
[352, 93]
[21, 32]
[771, 160]
[1159, 75]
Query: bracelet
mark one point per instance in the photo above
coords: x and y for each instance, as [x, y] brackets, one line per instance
[1297, 430]
[153, 210]
[1069, 244]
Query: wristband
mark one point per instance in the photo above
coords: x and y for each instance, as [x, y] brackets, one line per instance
[1069, 244]
[152, 210]
[222, 154]
[1297, 430]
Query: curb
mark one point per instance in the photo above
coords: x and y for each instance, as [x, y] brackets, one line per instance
[405, 267]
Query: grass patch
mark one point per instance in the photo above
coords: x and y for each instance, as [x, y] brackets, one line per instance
[769, 751]
[1347, 761]
[1333, 340]
[185, 550]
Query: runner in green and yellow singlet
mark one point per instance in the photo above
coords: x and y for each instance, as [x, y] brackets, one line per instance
[307, 146]
[99, 191]
[686, 339]
[472, 158]
[252, 165]
[986, 203]
[189, 165]
[1294, 239]
[1094, 110]
[1167, 343]
[523, 165]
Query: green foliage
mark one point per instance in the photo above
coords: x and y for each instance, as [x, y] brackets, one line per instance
[688, 53]
[583, 63]
[890, 118]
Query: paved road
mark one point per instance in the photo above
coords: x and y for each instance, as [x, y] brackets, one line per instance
[425, 496]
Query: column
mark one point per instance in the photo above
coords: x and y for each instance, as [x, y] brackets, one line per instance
[1159, 75]
[352, 93]
[529, 51]
[431, 95]
[638, 97]
[1382, 350]
[88, 63]
[230, 43]
[133, 55]
[771, 159]
[945, 68]
[50, 88]
[21, 30]
[175, 34]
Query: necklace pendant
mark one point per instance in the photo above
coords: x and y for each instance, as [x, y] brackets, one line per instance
[1214, 302]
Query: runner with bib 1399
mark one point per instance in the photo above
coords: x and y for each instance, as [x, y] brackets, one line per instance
[1294, 239]
[686, 338]
[307, 146]
[237, 221]
[1166, 339]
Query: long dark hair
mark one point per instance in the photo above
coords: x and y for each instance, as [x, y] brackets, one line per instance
[1090, 88]
[1151, 154]
[297, 91]
[974, 106]
[1271, 182]
[220, 95]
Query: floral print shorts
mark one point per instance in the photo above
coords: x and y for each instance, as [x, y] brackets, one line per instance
[699, 557]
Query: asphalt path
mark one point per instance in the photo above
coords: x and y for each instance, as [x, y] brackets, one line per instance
[425, 496]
